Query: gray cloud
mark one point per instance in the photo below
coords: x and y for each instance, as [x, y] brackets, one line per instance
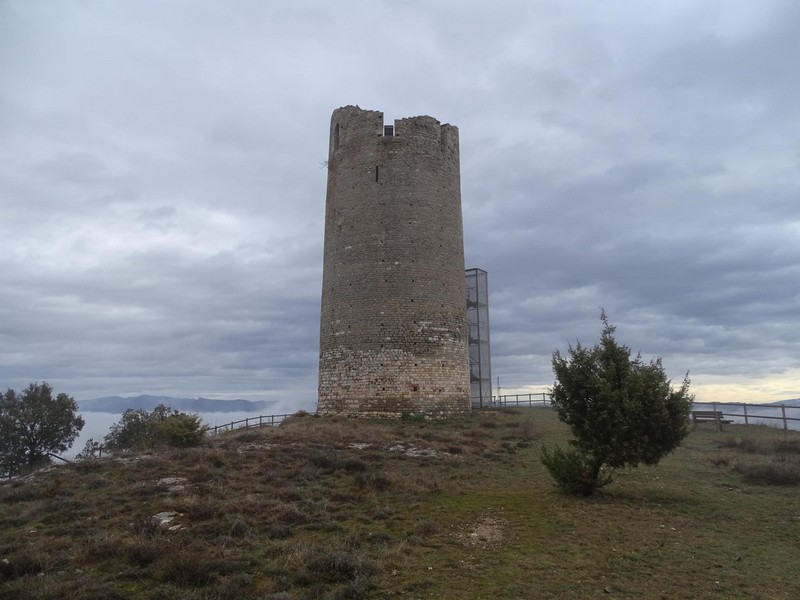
[162, 187]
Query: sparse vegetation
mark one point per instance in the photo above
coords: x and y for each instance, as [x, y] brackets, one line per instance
[331, 508]
[770, 461]
[770, 472]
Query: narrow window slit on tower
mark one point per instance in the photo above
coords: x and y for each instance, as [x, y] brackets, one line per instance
[376, 172]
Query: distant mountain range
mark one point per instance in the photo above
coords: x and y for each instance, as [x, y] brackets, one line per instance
[119, 404]
[792, 402]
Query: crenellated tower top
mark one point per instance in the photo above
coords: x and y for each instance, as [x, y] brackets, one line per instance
[353, 128]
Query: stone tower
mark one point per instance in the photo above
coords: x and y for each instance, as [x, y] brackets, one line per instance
[393, 332]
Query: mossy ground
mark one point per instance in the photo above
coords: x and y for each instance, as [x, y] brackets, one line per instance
[331, 508]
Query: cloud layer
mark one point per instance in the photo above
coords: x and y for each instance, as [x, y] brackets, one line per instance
[162, 183]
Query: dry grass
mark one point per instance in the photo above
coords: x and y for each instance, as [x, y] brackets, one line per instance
[331, 508]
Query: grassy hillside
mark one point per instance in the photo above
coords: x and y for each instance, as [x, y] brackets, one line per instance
[329, 508]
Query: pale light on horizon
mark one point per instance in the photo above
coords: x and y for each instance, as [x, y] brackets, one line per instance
[715, 388]
[758, 390]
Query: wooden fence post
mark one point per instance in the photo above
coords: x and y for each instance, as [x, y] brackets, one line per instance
[783, 413]
[745, 413]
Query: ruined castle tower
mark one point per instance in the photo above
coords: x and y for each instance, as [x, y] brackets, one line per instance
[393, 332]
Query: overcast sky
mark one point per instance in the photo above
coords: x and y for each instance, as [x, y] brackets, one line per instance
[162, 185]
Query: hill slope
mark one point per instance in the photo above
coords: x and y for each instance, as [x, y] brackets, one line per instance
[791, 402]
[329, 508]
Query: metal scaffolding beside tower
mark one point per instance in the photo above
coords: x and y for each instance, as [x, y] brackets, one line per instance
[480, 361]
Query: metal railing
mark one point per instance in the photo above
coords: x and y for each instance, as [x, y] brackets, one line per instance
[776, 415]
[260, 421]
[504, 401]
[742, 413]
[756, 414]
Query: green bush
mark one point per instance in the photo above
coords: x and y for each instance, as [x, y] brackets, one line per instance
[622, 411]
[142, 430]
[34, 425]
[182, 430]
[137, 429]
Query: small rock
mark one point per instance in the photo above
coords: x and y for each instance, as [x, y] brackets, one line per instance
[165, 517]
[168, 481]
[174, 485]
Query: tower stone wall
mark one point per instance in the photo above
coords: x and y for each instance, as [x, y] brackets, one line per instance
[393, 331]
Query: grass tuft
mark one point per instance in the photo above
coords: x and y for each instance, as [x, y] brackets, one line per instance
[372, 480]
[236, 526]
[147, 526]
[339, 566]
[743, 444]
[774, 472]
[23, 563]
[786, 446]
[185, 569]
[144, 552]
[327, 460]
[20, 492]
